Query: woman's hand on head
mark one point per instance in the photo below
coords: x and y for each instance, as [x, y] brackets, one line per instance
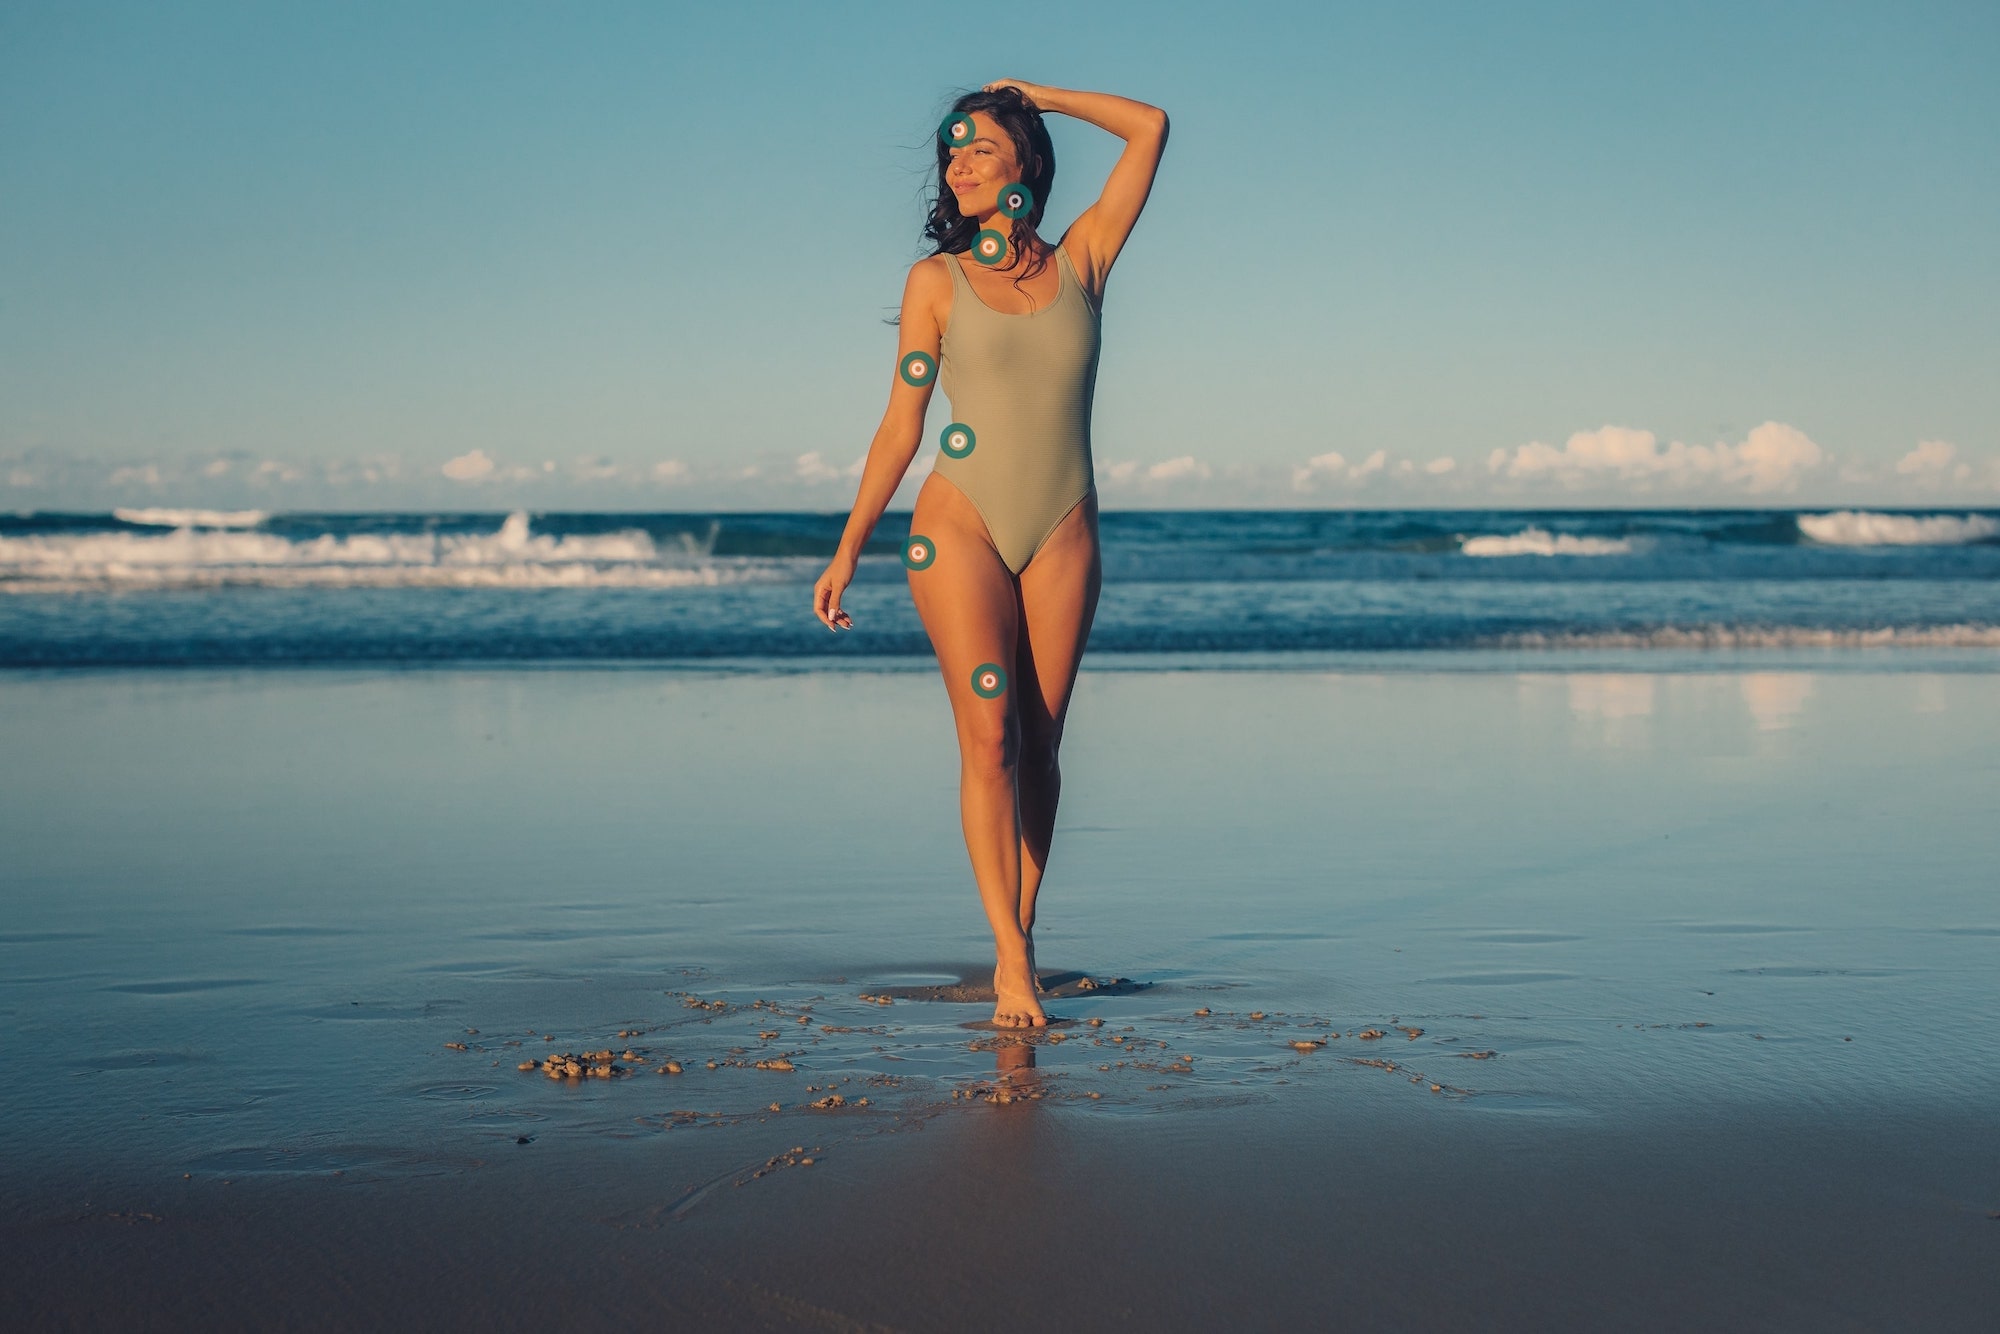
[1031, 91]
[826, 594]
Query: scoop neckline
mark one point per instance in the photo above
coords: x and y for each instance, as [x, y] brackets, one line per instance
[1062, 289]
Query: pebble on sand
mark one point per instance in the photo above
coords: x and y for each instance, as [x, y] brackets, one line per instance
[1202, 1013]
[1370, 1034]
[571, 1066]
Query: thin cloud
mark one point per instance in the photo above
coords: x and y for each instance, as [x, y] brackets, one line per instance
[1773, 457]
[812, 467]
[1930, 457]
[1174, 470]
[468, 467]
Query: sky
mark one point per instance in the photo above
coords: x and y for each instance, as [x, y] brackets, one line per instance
[640, 257]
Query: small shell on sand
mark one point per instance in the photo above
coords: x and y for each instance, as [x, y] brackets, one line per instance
[670, 1067]
[1202, 1013]
[1097, 1023]
[1370, 1034]
[1412, 1033]
[776, 1063]
[1308, 1045]
[456, 1046]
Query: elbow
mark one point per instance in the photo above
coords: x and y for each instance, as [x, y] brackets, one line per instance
[1160, 123]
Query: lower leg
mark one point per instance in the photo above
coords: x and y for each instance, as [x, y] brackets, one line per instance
[990, 811]
[1040, 788]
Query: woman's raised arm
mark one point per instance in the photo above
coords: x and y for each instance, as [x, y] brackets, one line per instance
[1100, 231]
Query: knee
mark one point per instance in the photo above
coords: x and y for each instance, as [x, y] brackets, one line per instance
[1038, 751]
[990, 743]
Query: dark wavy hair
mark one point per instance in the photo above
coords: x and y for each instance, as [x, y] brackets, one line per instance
[951, 231]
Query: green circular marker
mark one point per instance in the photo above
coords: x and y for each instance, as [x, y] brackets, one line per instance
[918, 369]
[989, 247]
[1016, 200]
[988, 680]
[958, 131]
[957, 440]
[919, 552]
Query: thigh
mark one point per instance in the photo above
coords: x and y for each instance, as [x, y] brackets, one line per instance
[966, 599]
[1058, 602]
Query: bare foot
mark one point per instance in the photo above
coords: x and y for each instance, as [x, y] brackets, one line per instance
[1015, 1005]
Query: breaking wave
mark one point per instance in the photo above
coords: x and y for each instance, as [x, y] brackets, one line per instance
[205, 555]
[1541, 542]
[168, 518]
[1865, 528]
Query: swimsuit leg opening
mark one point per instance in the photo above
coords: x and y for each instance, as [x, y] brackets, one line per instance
[1043, 540]
[987, 525]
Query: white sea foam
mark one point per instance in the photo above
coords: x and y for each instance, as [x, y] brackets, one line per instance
[189, 557]
[1541, 542]
[1775, 636]
[167, 518]
[1864, 528]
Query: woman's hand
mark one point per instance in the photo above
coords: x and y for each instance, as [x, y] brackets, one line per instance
[826, 593]
[1036, 94]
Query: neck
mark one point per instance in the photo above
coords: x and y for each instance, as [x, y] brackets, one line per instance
[1001, 223]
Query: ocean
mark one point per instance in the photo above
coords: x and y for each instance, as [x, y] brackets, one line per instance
[160, 587]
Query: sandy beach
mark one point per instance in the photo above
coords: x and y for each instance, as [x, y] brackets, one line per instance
[1473, 997]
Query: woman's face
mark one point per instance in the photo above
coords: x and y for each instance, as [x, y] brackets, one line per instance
[981, 168]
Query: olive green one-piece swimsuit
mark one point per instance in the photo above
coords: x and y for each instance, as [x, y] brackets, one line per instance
[1021, 387]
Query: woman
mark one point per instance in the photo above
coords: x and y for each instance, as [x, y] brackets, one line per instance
[1002, 554]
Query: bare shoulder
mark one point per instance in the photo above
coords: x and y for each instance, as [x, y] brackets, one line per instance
[927, 290]
[928, 278]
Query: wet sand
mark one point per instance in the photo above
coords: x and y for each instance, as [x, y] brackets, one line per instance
[1467, 1000]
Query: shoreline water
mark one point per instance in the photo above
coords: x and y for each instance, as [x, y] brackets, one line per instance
[1728, 937]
